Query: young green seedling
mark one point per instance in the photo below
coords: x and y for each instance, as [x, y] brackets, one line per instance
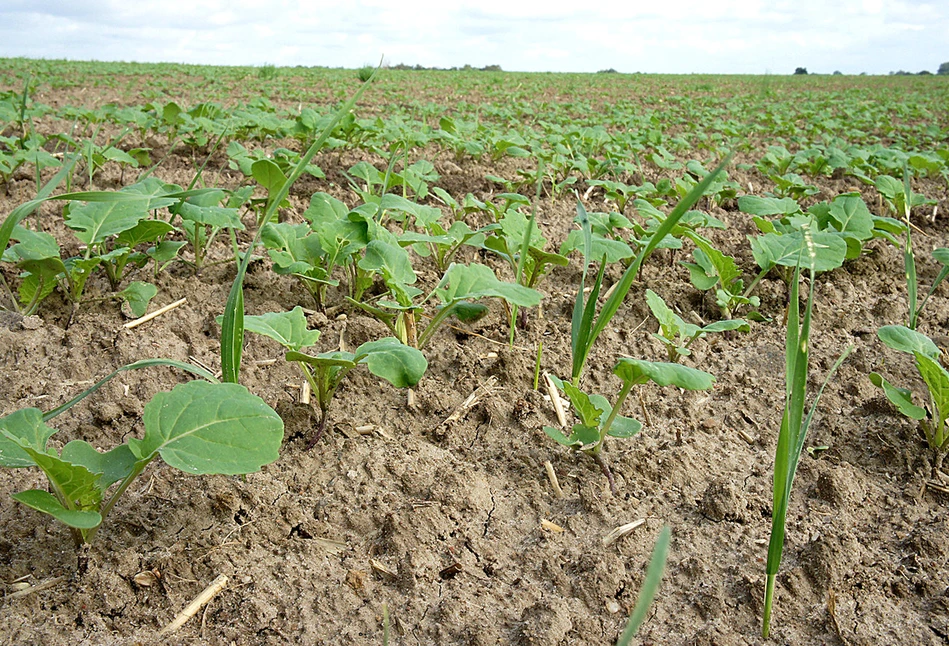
[599, 419]
[197, 427]
[794, 424]
[586, 326]
[657, 566]
[459, 285]
[232, 326]
[932, 417]
[713, 269]
[400, 365]
[677, 335]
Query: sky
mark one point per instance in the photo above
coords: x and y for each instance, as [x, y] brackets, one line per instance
[675, 36]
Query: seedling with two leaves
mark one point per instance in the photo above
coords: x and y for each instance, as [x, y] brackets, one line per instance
[677, 335]
[400, 365]
[459, 286]
[200, 427]
[598, 418]
[929, 362]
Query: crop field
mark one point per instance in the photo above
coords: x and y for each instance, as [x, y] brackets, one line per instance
[436, 357]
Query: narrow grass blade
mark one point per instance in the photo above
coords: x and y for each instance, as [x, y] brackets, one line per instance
[794, 425]
[25, 209]
[232, 327]
[144, 363]
[576, 325]
[612, 304]
[657, 565]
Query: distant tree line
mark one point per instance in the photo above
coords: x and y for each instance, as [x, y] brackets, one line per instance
[465, 68]
[943, 71]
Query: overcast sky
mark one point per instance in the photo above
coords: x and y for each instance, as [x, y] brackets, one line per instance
[673, 36]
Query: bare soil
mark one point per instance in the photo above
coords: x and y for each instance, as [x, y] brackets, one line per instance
[453, 527]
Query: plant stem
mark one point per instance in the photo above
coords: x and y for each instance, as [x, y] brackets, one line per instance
[604, 429]
[105, 509]
[768, 600]
[540, 353]
[605, 468]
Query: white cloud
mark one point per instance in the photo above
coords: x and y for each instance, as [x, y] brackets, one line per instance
[729, 36]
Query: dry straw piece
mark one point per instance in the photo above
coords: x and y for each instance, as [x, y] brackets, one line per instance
[552, 476]
[555, 400]
[199, 602]
[621, 531]
[158, 312]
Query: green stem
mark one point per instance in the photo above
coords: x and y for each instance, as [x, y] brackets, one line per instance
[436, 321]
[757, 279]
[88, 535]
[540, 353]
[768, 600]
[604, 429]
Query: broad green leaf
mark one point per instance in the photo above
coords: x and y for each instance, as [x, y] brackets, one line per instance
[890, 188]
[268, 175]
[624, 427]
[294, 249]
[324, 208]
[899, 397]
[937, 379]
[206, 428]
[702, 278]
[851, 216]
[727, 325]
[544, 258]
[138, 295]
[621, 426]
[463, 282]
[392, 260]
[166, 251]
[215, 216]
[45, 502]
[589, 413]
[24, 427]
[32, 245]
[144, 231]
[94, 222]
[773, 249]
[514, 226]
[289, 329]
[755, 205]
[469, 312]
[668, 320]
[118, 155]
[614, 250]
[399, 364]
[584, 437]
[558, 436]
[78, 486]
[113, 465]
[324, 359]
[155, 193]
[638, 371]
[903, 339]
